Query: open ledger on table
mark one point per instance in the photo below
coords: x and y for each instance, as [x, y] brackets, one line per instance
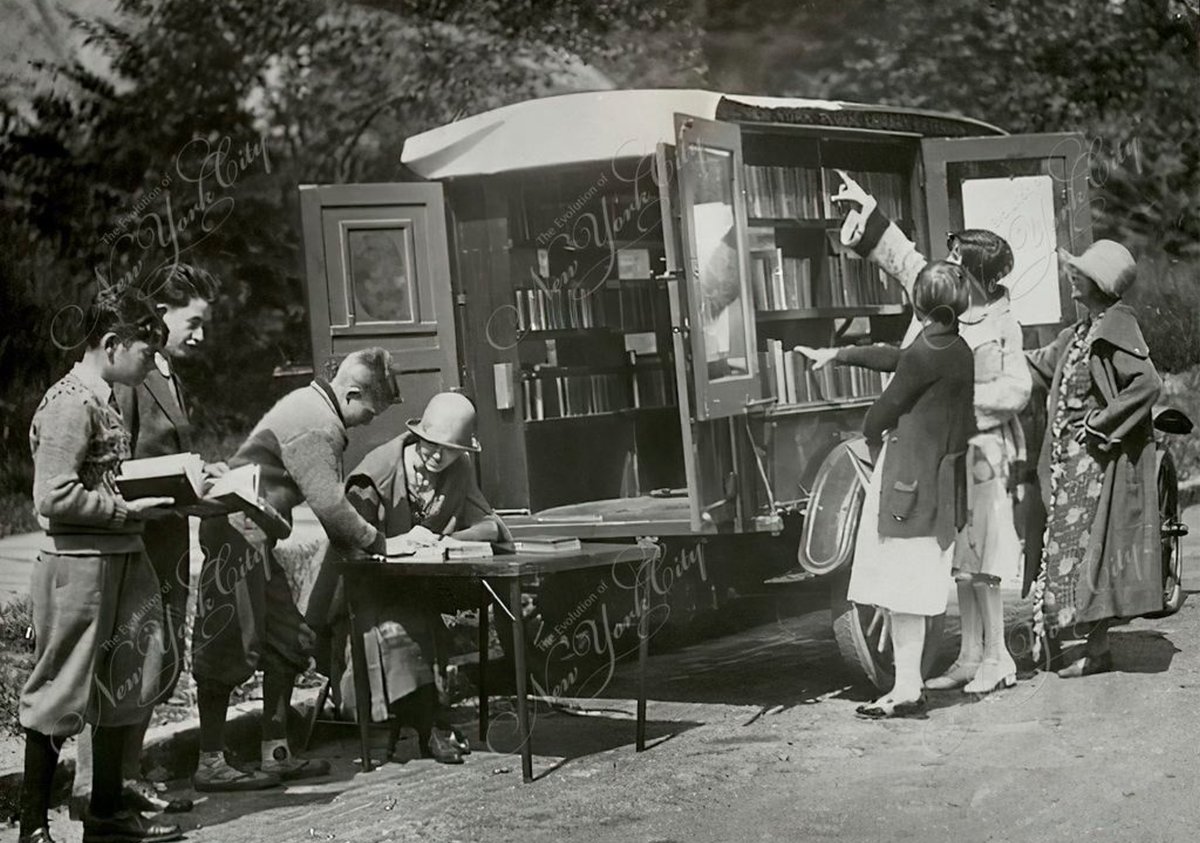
[406, 548]
[181, 477]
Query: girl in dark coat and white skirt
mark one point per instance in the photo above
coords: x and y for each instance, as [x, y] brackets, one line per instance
[919, 427]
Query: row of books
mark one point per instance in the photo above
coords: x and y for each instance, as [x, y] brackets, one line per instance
[777, 192]
[781, 282]
[547, 310]
[889, 190]
[786, 283]
[561, 396]
[789, 376]
[782, 192]
[627, 307]
[854, 282]
[567, 395]
[653, 386]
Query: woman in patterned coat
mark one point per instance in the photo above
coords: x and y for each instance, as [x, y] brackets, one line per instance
[1102, 557]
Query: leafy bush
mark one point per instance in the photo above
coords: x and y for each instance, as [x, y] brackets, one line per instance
[16, 660]
[1166, 297]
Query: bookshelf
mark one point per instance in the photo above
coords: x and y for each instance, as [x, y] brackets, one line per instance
[809, 289]
[564, 280]
[569, 331]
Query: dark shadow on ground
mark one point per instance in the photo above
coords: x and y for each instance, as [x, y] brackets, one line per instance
[555, 731]
[784, 662]
[789, 658]
[560, 736]
[1142, 651]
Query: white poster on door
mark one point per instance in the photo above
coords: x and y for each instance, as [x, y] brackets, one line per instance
[1021, 210]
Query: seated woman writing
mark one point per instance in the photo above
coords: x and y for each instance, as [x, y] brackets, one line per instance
[421, 482]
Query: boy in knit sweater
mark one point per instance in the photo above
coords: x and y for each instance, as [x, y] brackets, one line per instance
[103, 651]
[247, 619]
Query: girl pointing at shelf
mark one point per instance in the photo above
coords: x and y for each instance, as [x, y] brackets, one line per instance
[988, 550]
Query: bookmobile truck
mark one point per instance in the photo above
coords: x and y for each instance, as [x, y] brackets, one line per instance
[617, 279]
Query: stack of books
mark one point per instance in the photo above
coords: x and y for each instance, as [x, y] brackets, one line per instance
[460, 549]
[547, 544]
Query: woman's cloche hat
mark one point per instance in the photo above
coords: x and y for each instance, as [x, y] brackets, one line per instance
[1108, 263]
[448, 420]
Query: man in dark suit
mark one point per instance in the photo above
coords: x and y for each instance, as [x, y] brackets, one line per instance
[156, 415]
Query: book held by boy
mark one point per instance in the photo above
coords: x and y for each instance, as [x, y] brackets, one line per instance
[181, 477]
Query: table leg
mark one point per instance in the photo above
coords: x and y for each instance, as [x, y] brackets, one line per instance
[485, 602]
[514, 604]
[643, 649]
[362, 682]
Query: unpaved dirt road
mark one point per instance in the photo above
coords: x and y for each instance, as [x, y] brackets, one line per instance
[754, 738]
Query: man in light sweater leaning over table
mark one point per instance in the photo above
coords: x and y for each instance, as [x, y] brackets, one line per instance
[247, 619]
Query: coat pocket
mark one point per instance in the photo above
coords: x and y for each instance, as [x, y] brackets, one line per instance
[903, 499]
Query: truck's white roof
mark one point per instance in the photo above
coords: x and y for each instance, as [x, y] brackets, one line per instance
[591, 126]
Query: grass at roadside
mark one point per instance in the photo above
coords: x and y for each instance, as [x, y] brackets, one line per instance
[16, 660]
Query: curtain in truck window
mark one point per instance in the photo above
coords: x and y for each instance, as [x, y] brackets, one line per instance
[380, 274]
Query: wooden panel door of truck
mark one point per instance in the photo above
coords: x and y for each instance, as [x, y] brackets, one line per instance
[378, 274]
[1032, 190]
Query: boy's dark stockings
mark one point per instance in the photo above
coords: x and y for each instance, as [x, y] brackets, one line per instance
[108, 745]
[212, 698]
[41, 760]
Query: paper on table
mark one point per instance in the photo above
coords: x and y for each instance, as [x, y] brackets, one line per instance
[421, 545]
[1021, 210]
[403, 547]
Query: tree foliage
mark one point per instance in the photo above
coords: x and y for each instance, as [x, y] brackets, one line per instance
[1125, 73]
[213, 113]
[193, 146]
